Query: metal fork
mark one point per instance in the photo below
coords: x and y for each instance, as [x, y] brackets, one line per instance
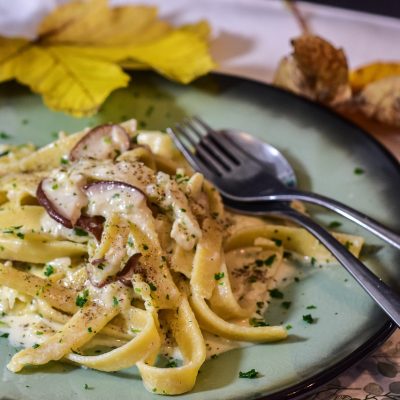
[234, 172]
[228, 166]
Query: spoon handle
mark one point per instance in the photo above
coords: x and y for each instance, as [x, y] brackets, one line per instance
[358, 217]
[383, 295]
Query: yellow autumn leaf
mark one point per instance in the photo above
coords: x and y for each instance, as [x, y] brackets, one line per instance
[77, 60]
[9, 49]
[361, 77]
[180, 55]
[171, 56]
[93, 22]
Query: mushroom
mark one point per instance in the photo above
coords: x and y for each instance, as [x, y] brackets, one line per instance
[63, 200]
[101, 142]
[125, 276]
[94, 225]
[106, 197]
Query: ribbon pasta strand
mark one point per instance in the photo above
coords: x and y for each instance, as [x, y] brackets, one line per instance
[109, 240]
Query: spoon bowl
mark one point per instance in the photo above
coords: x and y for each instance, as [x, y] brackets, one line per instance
[269, 156]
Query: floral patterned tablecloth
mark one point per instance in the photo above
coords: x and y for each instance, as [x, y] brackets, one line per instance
[375, 378]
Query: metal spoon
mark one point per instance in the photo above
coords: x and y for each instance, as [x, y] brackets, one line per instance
[237, 174]
[280, 181]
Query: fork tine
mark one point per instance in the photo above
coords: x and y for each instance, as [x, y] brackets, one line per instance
[203, 153]
[195, 130]
[202, 123]
[225, 144]
[209, 146]
[190, 157]
[200, 161]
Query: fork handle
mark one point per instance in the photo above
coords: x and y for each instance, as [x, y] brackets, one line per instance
[383, 295]
[359, 218]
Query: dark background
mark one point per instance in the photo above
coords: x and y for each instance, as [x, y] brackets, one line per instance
[390, 8]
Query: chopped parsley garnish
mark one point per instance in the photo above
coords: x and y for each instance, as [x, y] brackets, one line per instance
[82, 299]
[287, 254]
[259, 263]
[4, 335]
[149, 111]
[64, 161]
[311, 307]
[278, 242]
[249, 374]
[270, 260]
[21, 235]
[39, 333]
[308, 318]
[276, 294]
[334, 224]
[313, 261]
[4, 135]
[286, 304]
[145, 247]
[218, 276]
[11, 229]
[288, 327]
[115, 196]
[115, 301]
[49, 270]
[80, 232]
[256, 322]
[358, 171]
[296, 279]
[35, 346]
[171, 364]
[87, 387]
[90, 330]
[55, 186]
[348, 245]
[153, 287]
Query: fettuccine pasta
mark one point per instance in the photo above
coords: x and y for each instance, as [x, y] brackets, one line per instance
[114, 253]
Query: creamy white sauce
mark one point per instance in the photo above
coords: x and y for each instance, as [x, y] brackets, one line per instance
[64, 190]
[28, 329]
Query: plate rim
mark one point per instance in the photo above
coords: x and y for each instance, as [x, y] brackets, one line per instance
[309, 385]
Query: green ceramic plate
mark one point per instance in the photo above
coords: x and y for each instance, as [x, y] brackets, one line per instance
[324, 150]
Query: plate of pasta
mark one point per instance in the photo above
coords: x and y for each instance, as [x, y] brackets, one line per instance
[121, 271]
